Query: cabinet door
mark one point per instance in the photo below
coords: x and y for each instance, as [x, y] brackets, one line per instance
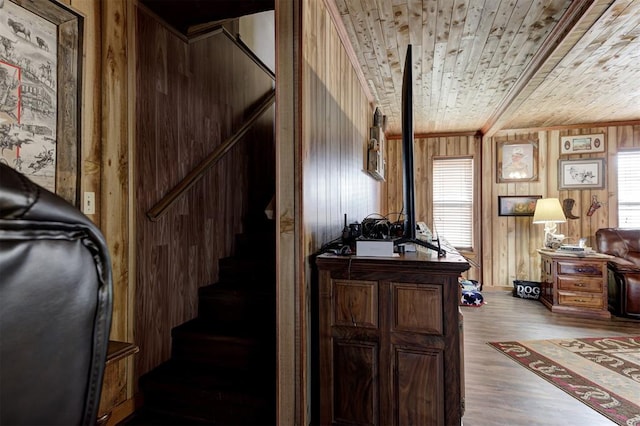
[417, 354]
[546, 278]
[355, 352]
[355, 377]
[419, 386]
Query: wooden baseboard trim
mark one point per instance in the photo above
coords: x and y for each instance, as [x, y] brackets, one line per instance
[121, 412]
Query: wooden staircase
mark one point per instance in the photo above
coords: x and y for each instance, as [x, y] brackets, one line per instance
[222, 369]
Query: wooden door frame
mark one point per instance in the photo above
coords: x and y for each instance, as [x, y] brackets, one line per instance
[292, 383]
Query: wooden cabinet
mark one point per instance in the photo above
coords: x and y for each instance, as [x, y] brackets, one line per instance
[390, 341]
[573, 284]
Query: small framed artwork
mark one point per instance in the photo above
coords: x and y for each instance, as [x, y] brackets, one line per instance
[582, 144]
[521, 205]
[587, 173]
[517, 161]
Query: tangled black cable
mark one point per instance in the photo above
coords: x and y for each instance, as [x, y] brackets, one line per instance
[378, 228]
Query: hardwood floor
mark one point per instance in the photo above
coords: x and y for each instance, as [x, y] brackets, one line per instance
[500, 392]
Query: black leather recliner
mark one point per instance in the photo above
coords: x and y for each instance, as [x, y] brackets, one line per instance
[55, 307]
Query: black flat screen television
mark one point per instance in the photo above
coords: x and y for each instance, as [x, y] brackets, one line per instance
[408, 178]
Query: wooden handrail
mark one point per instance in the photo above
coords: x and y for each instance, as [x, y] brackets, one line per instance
[251, 54]
[161, 207]
[218, 28]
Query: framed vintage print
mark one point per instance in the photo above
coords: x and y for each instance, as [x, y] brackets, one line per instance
[586, 173]
[40, 62]
[519, 205]
[517, 161]
[582, 144]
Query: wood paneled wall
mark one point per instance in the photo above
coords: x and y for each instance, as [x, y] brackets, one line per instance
[510, 243]
[335, 118]
[505, 247]
[335, 130]
[190, 97]
[426, 148]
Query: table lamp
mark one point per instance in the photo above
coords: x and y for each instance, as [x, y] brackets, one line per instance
[549, 211]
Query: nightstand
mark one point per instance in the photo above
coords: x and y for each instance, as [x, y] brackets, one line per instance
[574, 283]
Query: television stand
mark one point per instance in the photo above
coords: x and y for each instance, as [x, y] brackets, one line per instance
[404, 240]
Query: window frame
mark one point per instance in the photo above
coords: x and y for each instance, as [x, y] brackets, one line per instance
[472, 204]
[634, 179]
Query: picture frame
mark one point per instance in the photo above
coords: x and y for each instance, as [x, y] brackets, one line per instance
[584, 173]
[518, 205]
[40, 70]
[582, 144]
[517, 161]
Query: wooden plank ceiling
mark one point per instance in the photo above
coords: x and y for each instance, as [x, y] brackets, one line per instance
[483, 65]
[500, 64]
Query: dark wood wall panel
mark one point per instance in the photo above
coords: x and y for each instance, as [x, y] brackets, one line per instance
[336, 117]
[190, 97]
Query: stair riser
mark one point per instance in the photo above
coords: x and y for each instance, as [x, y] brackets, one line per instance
[235, 310]
[214, 408]
[215, 353]
[247, 276]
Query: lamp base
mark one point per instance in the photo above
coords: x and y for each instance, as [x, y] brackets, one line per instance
[553, 241]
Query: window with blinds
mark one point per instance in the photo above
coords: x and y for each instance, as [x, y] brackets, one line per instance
[628, 189]
[453, 200]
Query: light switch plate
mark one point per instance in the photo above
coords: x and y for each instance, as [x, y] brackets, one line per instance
[89, 203]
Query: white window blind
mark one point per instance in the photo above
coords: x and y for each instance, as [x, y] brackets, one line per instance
[628, 189]
[453, 200]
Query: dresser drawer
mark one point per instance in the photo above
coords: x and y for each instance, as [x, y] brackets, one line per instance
[579, 268]
[581, 300]
[580, 283]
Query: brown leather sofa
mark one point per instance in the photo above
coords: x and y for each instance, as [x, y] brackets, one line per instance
[624, 269]
[55, 307]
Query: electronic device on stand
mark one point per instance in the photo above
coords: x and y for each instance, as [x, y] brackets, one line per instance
[408, 182]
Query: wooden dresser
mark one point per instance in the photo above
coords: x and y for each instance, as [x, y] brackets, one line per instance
[574, 284]
[390, 340]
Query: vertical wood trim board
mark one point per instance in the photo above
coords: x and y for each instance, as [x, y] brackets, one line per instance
[114, 178]
[288, 210]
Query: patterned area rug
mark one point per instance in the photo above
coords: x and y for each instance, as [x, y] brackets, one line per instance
[603, 373]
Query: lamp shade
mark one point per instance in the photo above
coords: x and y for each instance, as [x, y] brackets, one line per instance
[548, 210]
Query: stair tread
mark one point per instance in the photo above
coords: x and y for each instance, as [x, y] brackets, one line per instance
[150, 418]
[180, 376]
[196, 396]
[202, 329]
[233, 288]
